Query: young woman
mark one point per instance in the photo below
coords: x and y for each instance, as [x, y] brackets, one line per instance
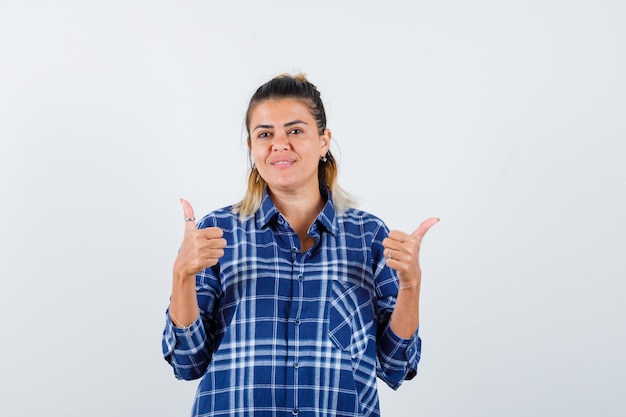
[293, 302]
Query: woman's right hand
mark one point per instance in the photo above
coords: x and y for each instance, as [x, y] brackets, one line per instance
[201, 248]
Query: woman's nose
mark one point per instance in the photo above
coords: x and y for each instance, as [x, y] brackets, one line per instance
[280, 142]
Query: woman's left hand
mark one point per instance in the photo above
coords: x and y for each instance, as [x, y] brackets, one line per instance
[402, 252]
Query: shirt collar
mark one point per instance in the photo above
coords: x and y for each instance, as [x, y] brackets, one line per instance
[268, 211]
[327, 216]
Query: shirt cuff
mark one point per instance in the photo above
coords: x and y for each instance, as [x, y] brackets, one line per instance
[400, 356]
[183, 340]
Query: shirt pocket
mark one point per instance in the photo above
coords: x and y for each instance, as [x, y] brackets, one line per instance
[351, 319]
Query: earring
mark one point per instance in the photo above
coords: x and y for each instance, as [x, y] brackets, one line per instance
[323, 158]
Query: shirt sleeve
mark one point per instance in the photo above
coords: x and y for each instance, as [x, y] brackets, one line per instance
[397, 357]
[186, 349]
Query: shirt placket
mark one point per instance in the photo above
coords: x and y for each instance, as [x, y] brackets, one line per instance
[288, 237]
[295, 320]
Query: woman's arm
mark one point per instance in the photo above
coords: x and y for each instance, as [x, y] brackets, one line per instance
[402, 254]
[200, 249]
[195, 297]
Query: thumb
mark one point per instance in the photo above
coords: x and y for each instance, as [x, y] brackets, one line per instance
[424, 227]
[190, 219]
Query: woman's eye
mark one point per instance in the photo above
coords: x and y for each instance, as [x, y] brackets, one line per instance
[264, 135]
[296, 131]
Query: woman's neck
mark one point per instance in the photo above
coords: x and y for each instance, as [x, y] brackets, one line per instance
[300, 210]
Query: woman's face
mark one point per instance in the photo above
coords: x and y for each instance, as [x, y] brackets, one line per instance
[285, 145]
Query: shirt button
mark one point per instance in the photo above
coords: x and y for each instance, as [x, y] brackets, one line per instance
[295, 411]
[300, 277]
[294, 249]
[297, 322]
[296, 365]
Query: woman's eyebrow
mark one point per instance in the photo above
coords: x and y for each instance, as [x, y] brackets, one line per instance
[294, 122]
[263, 127]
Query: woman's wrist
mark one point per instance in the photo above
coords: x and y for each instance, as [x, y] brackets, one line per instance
[179, 323]
[409, 285]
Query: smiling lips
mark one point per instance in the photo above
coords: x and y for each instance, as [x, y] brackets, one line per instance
[282, 163]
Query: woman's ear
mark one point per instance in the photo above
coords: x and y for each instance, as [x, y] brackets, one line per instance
[326, 138]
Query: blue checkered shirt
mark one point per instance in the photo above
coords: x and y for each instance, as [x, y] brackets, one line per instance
[288, 333]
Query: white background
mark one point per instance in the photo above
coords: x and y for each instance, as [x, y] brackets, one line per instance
[504, 118]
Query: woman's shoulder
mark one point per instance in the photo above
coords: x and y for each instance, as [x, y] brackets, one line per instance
[360, 216]
[220, 217]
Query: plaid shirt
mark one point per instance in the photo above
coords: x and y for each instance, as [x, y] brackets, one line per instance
[283, 332]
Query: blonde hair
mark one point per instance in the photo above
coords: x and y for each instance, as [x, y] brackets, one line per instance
[297, 87]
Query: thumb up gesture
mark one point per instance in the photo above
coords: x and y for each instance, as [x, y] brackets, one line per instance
[402, 252]
[201, 248]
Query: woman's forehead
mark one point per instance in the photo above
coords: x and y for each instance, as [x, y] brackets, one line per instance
[280, 109]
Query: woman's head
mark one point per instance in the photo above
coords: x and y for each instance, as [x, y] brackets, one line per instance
[295, 89]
